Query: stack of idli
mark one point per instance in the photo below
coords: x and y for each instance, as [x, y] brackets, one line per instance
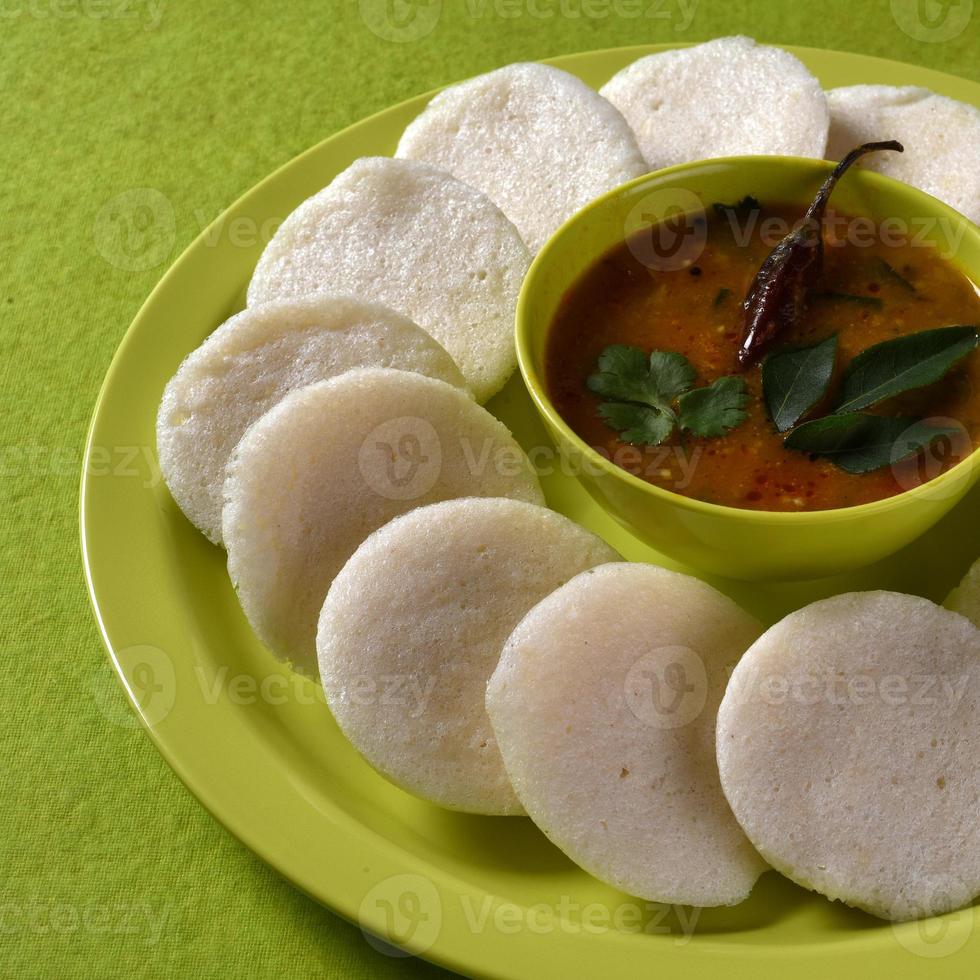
[941, 138]
[727, 97]
[430, 599]
[336, 460]
[252, 361]
[965, 598]
[414, 238]
[847, 747]
[537, 140]
[603, 705]
[732, 96]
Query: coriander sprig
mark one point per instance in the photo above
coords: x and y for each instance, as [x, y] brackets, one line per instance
[648, 396]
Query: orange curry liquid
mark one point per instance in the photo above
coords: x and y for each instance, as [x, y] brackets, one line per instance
[696, 311]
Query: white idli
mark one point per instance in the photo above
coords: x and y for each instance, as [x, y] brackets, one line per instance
[253, 361]
[965, 598]
[537, 140]
[727, 97]
[941, 138]
[408, 235]
[603, 705]
[332, 462]
[847, 745]
[412, 628]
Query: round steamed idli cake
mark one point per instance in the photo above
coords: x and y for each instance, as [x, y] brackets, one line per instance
[941, 138]
[332, 462]
[728, 97]
[537, 140]
[847, 744]
[253, 361]
[603, 705]
[965, 598]
[429, 599]
[416, 239]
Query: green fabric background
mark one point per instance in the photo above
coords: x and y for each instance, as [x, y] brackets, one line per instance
[109, 866]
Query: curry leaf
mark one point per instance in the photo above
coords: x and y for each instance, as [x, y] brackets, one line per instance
[739, 209]
[875, 302]
[887, 271]
[638, 424]
[898, 365]
[714, 409]
[859, 443]
[794, 380]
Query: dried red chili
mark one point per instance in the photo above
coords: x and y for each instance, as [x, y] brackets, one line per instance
[777, 295]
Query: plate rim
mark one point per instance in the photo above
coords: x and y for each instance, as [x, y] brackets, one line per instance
[740, 959]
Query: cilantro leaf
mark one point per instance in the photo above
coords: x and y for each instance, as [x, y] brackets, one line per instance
[637, 424]
[714, 409]
[642, 393]
[672, 373]
[627, 374]
[622, 373]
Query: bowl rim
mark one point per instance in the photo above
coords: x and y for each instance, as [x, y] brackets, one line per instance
[537, 387]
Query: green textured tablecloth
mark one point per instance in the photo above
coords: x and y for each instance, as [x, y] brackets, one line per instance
[109, 866]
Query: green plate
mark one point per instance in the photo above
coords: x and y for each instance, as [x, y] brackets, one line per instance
[257, 745]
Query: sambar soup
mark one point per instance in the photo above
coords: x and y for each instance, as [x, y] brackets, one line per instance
[872, 390]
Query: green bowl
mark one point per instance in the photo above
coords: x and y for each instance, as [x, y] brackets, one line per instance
[742, 544]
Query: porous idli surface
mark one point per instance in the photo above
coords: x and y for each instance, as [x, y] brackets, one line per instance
[941, 138]
[603, 705]
[847, 744]
[253, 361]
[537, 140]
[965, 598]
[334, 461]
[413, 626]
[414, 238]
[727, 97]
